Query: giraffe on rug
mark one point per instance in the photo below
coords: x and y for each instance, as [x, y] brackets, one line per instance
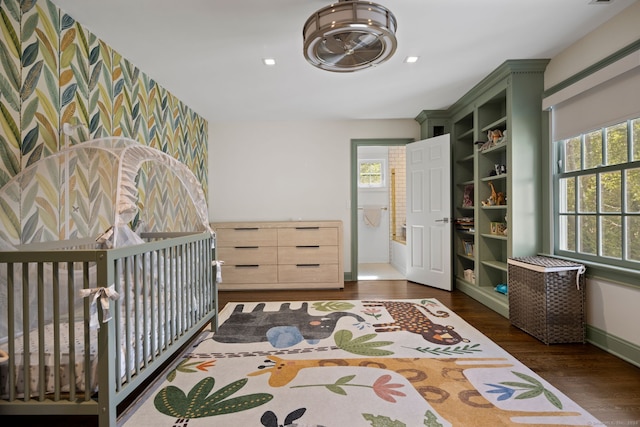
[441, 382]
[411, 317]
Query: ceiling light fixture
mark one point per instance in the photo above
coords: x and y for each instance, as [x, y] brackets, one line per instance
[411, 59]
[269, 61]
[349, 35]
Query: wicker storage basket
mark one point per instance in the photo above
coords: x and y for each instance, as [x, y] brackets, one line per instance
[546, 298]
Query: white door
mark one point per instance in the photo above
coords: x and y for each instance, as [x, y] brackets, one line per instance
[429, 212]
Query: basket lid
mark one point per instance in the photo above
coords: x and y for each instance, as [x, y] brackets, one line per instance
[543, 263]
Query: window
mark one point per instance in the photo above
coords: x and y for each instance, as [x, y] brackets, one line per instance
[371, 173]
[598, 197]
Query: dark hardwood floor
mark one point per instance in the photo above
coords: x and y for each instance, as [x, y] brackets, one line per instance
[604, 385]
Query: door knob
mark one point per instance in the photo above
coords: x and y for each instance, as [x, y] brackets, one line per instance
[445, 220]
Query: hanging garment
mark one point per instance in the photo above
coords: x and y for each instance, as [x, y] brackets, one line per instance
[371, 215]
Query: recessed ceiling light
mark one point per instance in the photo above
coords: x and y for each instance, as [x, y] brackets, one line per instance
[269, 61]
[411, 59]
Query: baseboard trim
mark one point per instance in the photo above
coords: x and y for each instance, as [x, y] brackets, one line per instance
[619, 347]
[495, 301]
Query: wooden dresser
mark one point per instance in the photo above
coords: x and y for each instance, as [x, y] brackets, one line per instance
[280, 255]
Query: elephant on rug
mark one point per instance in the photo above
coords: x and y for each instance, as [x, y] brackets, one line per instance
[283, 328]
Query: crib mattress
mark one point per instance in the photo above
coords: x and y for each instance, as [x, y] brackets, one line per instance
[49, 361]
[65, 369]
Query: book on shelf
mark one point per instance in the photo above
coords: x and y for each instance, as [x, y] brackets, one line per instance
[465, 224]
[468, 247]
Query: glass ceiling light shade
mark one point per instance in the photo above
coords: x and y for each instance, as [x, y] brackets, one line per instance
[349, 36]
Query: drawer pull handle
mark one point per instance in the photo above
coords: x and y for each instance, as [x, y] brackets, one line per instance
[246, 228]
[307, 228]
[248, 266]
[307, 265]
[246, 247]
[308, 246]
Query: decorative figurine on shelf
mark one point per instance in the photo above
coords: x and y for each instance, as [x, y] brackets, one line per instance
[502, 288]
[494, 194]
[470, 276]
[494, 136]
[498, 169]
[484, 145]
[491, 201]
[467, 198]
[496, 198]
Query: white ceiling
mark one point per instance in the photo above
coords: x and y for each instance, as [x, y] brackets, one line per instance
[209, 52]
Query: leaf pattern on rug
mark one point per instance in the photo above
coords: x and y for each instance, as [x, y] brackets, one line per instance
[173, 402]
[361, 345]
[187, 367]
[430, 303]
[382, 421]
[448, 351]
[332, 306]
[373, 312]
[431, 420]
[530, 389]
[381, 387]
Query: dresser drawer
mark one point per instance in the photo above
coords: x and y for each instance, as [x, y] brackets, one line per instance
[248, 255]
[308, 273]
[249, 274]
[297, 236]
[308, 255]
[246, 236]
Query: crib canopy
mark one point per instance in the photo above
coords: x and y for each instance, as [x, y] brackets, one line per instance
[84, 190]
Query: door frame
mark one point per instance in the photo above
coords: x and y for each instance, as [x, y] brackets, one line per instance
[355, 143]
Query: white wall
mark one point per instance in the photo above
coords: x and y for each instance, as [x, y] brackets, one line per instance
[613, 35]
[373, 242]
[611, 307]
[278, 171]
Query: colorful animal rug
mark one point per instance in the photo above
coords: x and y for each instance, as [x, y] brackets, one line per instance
[389, 363]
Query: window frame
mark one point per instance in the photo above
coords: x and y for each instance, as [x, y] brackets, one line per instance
[622, 263]
[383, 174]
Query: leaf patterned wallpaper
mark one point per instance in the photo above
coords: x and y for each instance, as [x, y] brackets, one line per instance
[54, 71]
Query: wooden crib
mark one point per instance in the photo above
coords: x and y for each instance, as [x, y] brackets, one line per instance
[167, 294]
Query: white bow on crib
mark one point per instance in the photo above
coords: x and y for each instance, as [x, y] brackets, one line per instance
[218, 266]
[104, 295]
